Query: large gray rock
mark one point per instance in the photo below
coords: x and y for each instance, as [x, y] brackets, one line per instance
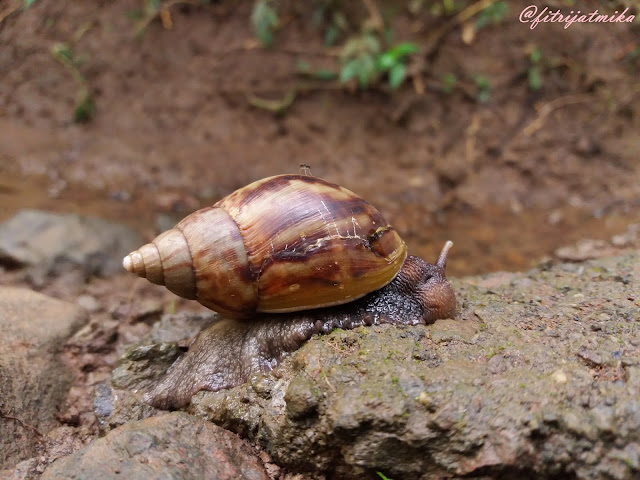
[538, 376]
[33, 383]
[172, 446]
[49, 242]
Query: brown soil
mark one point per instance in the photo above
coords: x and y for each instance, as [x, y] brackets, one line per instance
[508, 180]
[173, 128]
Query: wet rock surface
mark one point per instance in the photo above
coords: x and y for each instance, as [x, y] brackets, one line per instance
[120, 400]
[171, 446]
[33, 381]
[538, 376]
[49, 243]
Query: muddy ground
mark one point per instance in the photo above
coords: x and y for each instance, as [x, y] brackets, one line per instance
[509, 178]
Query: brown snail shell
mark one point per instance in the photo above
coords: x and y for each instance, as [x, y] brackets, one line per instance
[281, 244]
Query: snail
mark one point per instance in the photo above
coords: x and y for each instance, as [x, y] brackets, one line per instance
[281, 259]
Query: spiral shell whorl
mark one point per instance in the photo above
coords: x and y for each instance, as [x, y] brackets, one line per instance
[223, 278]
[196, 259]
[165, 261]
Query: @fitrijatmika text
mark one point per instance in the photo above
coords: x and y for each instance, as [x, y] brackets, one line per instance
[535, 16]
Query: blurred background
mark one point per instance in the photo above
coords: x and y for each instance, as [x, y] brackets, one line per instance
[454, 118]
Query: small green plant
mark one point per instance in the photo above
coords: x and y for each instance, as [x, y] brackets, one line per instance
[534, 73]
[383, 476]
[358, 58]
[264, 19]
[303, 68]
[483, 86]
[393, 62]
[28, 3]
[437, 8]
[492, 15]
[337, 22]
[85, 108]
[361, 58]
[85, 105]
[449, 82]
[145, 16]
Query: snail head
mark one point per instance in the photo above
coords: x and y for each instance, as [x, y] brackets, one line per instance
[429, 285]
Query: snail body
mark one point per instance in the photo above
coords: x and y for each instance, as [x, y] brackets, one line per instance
[297, 256]
[281, 244]
[230, 351]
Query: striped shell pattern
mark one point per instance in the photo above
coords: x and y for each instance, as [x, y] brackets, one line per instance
[281, 244]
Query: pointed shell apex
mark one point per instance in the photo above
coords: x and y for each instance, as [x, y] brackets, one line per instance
[128, 264]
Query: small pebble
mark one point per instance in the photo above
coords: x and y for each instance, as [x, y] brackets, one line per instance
[89, 303]
[559, 377]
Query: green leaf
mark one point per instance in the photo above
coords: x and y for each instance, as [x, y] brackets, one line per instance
[483, 96]
[367, 70]
[331, 35]
[371, 43]
[350, 49]
[387, 34]
[349, 70]
[396, 75]
[403, 49]
[391, 57]
[340, 20]
[383, 476]
[536, 55]
[385, 61]
[448, 83]
[304, 68]
[264, 20]
[535, 78]
[482, 82]
[62, 52]
[318, 15]
[323, 74]
[28, 3]
[84, 109]
[493, 14]
[483, 85]
[449, 6]
[137, 14]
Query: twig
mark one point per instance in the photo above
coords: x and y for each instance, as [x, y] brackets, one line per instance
[548, 108]
[10, 9]
[150, 17]
[21, 422]
[459, 18]
[274, 106]
[333, 389]
[374, 14]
